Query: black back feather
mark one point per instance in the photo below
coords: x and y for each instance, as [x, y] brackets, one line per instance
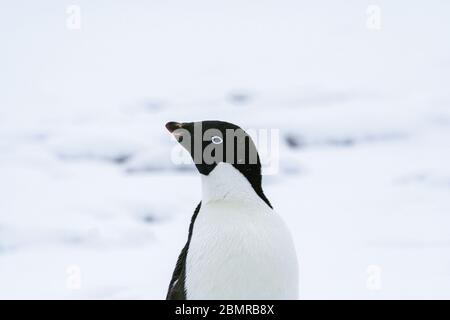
[177, 288]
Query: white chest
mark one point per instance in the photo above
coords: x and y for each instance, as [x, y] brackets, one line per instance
[240, 251]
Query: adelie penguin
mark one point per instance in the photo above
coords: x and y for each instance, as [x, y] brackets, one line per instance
[238, 247]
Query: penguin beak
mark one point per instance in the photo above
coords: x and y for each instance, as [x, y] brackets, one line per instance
[173, 127]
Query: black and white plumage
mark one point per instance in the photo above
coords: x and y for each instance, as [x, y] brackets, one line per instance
[238, 247]
[177, 289]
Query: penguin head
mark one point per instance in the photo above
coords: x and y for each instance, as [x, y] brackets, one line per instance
[212, 142]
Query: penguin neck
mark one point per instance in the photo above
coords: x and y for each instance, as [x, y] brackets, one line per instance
[226, 183]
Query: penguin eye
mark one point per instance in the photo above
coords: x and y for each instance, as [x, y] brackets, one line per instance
[216, 140]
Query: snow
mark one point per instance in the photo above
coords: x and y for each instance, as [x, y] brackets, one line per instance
[90, 191]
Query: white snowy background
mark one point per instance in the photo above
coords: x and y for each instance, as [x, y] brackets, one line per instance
[91, 205]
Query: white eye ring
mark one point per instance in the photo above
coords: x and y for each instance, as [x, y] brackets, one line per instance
[216, 140]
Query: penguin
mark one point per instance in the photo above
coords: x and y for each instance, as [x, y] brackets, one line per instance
[238, 247]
